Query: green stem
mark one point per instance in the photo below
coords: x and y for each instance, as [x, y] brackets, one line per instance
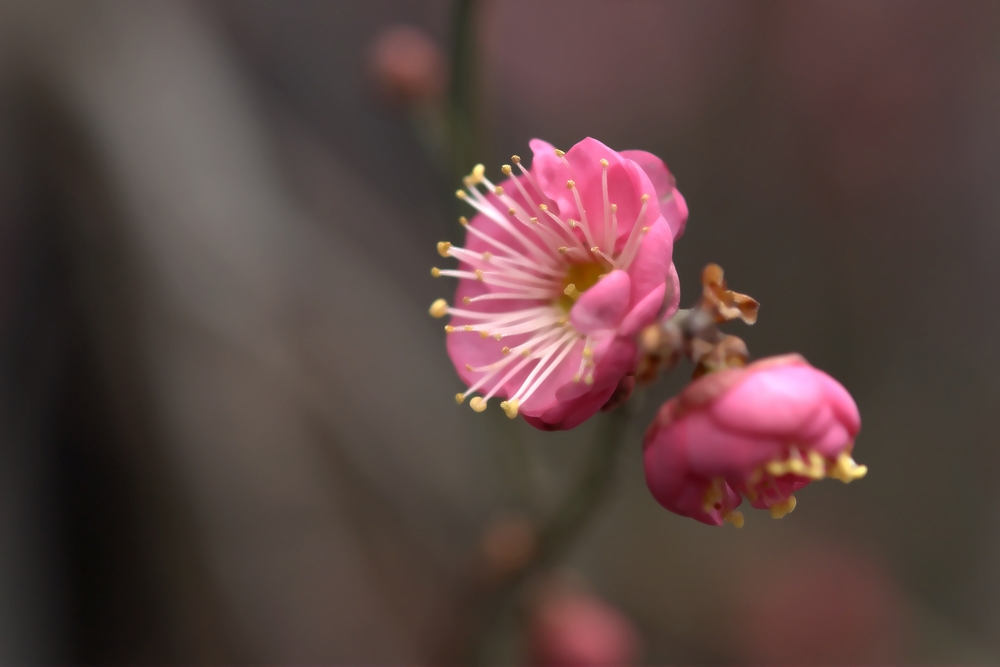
[562, 529]
[591, 489]
[463, 93]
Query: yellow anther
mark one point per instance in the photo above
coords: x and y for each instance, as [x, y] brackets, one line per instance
[614, 208]
[796, 465]
[735, 518]
[570, 184]
[589, 380]
[515, 159]
[511, 211]
[484, 334]
[576, 378]
[443, 248]
[778, 510]
[544, 207]
[595, 249]
[817, 466]
[487, 256]
[498, 191]
[468, 367]
[466, 300]
[505, 350]
[477, 404]
[562, 321]
[526, 352]
[645, 229]
[846, 469]
[439, 308]
[477, 174]
[604, 163]
[449, 328]
[533, 220]
[713, 496]
[573, 223]
[468, 327]
[498, 336]
[436, 272]
[644, 198]
[506, 170]
[479, 275]
[587, 353]
[562, 250]
[510, 407]
[776, 468]
[559, 153]
[461, 195]
[571, 291]
[462, 220]
[460, 398]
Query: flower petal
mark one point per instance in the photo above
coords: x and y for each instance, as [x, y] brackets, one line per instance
[604, 305]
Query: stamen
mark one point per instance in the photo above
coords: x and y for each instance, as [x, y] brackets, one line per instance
[443, 248]
[566, 343]
[597, 251]
[583, 213]
[779, 510]
[614, 228]
[608, 240]
[439, 308]
[565, 226]
[510, 408]
[735, 518]
[477, 404]
[632, 245]
[572, 292]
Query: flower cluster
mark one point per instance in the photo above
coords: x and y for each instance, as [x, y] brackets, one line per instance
[567, 294]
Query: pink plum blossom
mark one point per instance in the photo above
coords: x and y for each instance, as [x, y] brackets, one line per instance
[763, 431]
[563, 265]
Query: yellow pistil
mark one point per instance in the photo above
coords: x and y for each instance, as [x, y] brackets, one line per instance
[779, 510]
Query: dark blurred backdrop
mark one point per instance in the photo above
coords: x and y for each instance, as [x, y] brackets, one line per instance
[226, 420]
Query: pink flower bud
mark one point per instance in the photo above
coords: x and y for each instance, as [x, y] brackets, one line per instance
[578, 629]
[763, 432]
[407, 65]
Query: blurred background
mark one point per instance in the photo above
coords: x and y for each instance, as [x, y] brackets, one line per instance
[227, 431]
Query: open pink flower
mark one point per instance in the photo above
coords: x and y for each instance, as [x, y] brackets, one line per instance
[763, 431]
[563, 264]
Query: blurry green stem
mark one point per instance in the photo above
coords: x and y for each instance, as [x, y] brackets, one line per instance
[559, 533]
[590, 490]
[462, 97]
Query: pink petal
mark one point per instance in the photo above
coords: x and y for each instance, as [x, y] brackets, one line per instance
[604, 305]
[651, 266]
[673, 208]
[646, 312]
[778, 402]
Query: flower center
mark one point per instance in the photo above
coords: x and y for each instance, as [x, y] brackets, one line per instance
[579, 278]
